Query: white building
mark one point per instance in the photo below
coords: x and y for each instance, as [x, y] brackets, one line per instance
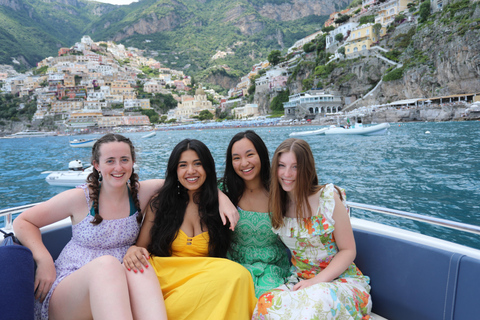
[247, 111]
[312, 103]
[344, 29]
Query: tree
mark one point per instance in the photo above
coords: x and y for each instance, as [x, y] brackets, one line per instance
[341, 50]
[339, 37]
[342, 19]
[309, 47]
[205, 115]
[274, 57]
[376, 30]
[424, 11]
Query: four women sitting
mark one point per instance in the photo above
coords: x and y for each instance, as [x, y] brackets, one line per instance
[178, 268]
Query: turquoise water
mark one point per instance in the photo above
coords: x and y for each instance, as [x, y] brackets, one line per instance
[436, 174]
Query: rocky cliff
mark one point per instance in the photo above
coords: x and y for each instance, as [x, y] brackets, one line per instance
[440, 57]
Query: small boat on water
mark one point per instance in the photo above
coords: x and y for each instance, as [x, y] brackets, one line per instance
[412, 276]
[358, 129]
[76, 175]
[82, 143]
[31, 134]
[308, 133]
[151, 134]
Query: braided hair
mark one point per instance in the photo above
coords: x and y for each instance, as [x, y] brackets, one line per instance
[93, 178]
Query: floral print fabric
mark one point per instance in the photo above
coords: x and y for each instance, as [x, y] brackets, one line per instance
[313, 246]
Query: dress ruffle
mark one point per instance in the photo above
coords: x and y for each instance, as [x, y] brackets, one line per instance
[320, 224]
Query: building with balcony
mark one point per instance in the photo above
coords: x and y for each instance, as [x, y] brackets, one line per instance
[388, 10]
[247, 111]
[192, 106]
[311, 104]
[361, 39]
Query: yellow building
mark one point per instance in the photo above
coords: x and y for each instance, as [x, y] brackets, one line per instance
[388, 10]
[190, 107]
[84, 119]
[66, 106]
[110, 121]
[362, 38]
[69, 80]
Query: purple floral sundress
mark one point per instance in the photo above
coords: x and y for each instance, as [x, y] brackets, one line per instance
[110, 237]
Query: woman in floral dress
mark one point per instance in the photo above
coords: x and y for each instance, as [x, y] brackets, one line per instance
[246, 183]
[314, 224]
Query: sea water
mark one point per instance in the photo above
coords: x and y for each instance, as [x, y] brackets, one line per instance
[429, 168]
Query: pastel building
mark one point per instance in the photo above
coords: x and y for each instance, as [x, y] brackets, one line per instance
[361, 39]
[344, 29]
[312, 103]
[192, 106]
[388, 10]
[247, 111]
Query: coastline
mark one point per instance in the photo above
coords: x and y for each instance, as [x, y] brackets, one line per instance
[455, 111]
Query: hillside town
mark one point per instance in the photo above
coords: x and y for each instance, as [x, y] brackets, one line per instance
[96, 84]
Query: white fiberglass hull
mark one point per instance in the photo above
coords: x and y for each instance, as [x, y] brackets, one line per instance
[366, 131]
[82, 143]
[67, 178]
[308, 133]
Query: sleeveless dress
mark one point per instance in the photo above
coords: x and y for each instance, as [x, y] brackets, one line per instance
[110, 237]
[258, 249]
[313, 247]
[196, 286]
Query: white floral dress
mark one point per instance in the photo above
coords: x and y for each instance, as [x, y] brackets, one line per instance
[313, 246]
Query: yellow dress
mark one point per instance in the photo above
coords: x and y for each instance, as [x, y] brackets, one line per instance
[196, 286]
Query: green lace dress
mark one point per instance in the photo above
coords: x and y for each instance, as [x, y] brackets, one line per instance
[257, 248]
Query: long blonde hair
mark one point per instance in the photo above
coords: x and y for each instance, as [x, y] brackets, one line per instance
[306, 182]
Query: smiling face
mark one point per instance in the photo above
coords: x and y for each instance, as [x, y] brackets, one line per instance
[287, 171]
[115, 163]
[190, 171]
[245, 160]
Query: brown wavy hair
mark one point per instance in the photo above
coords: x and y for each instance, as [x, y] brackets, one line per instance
[306, 182]
[93, 177]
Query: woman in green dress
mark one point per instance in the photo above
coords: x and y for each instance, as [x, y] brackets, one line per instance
[246, 183]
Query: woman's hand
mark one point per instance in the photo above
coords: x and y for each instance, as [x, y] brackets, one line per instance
[45, 275]
[136, 259]
[227, 210]
[304, 284]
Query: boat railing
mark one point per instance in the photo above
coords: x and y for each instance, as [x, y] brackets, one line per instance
[8, 214]
[417, 217]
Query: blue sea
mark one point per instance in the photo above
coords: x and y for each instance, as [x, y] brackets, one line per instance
[435, 174]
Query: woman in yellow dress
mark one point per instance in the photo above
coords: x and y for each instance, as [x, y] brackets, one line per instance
[188, 242]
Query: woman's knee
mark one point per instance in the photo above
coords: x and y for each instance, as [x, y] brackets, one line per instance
[108, 267]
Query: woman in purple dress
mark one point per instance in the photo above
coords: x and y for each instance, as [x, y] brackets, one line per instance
[88, 280]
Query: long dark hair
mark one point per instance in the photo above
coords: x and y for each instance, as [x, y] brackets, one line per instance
[170, 203]
[233, 185]
[93, 177]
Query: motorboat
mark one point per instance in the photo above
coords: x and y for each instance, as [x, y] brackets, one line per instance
[412, 276]
[82, 143]
[151, 134]
[31, 134]
[75, 175]
[360, 129]
[308, 133]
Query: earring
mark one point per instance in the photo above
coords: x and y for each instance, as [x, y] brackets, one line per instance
[100, 178]
[178, 187]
